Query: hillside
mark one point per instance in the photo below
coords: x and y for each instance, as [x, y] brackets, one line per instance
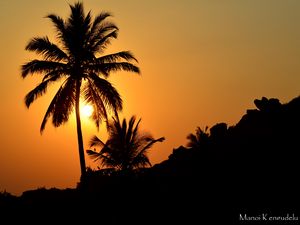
[251, 167]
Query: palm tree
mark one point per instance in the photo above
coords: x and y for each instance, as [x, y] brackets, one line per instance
[126, 148]
[199, 139]
[77, 61]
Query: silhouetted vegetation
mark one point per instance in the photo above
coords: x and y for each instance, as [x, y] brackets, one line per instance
[199, 139]
[126, 148]
[251, 167]
[77, 61]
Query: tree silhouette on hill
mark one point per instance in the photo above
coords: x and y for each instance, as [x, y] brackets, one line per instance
[77, 61]
[126, 148]
[199, 139]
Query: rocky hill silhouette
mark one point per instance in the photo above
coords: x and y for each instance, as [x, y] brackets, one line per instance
[265, 139]
[251, 167]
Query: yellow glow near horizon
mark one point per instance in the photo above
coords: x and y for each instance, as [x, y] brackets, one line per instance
[86, 110]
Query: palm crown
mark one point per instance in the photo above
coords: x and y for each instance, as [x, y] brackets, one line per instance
[126, 147]
[199, 139]
[77, 62]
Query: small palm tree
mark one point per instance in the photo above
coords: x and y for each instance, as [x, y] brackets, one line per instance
[77, 62]
[126, 148]
[199, 139]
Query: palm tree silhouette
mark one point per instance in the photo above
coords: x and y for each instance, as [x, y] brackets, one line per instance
[199, 139]
[126, 148]
[78, 62]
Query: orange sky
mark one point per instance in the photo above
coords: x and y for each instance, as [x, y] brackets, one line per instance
[202, 62]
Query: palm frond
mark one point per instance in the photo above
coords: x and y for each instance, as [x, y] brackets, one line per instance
[93, 154]
[135, 133]
[64, 105]
[59, 106]
[111, 58]
[133, 139]
[97, 22]
[129, 134]
[50, 110]
[115, 129]
[39, 90]
[58, 23]
[100, 18]
[95, 141]
[107, 92]
[43, 46]
[136, 128]
[55, 73]
[77, 28]
[123, 132]
[41, 66]
[99, 29]
[78, 23]
[92, 96]
[101, 42]
[87, 22]
[149, 145]
[60, 27]
[77, 14]
[119, 66]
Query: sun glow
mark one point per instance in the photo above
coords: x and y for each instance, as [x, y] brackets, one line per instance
[86, 110]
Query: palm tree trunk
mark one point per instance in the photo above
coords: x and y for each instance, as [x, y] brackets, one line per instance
[79, 131]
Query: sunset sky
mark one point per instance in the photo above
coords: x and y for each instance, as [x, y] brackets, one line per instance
[202, 62]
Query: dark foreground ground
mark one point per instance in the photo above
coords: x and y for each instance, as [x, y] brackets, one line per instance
[159, 201]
